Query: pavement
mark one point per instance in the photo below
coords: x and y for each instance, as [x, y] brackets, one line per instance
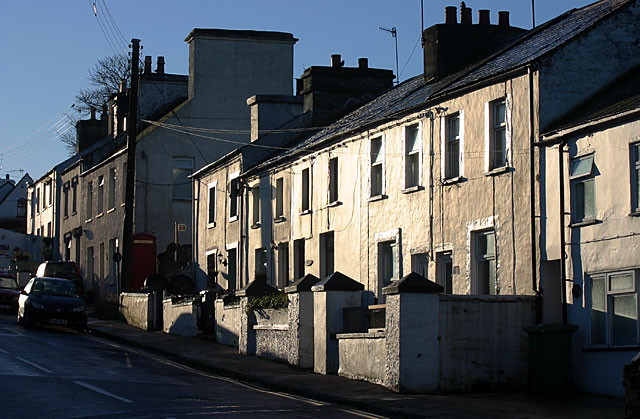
[204, 354]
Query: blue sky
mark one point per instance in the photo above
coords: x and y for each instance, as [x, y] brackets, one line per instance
[48, 47]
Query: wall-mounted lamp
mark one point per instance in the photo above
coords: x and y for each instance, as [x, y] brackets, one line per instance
[221, 259]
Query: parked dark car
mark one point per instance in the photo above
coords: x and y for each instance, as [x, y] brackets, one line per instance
[53, 301]
[9, 292]
[59, 269]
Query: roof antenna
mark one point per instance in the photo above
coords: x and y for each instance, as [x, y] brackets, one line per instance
[394, 32]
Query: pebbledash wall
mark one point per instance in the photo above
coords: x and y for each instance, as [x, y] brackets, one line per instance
[431, 342]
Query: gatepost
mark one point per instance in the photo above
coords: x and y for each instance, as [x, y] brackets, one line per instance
[330, 297]
[301, 321]
[412, 331]
[256, 288]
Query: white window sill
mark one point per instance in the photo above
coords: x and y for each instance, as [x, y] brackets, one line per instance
[99, 215]
[111, 210]
[88, 221]
[279, 219]
[635, 213]
[211, 225]
[234, 218]
[412, 189]
[377, 198]
[305, 212]
[334, 204]
[123, 204]
[584, 223]
[255, 225]
[498, 171]
[453, 180]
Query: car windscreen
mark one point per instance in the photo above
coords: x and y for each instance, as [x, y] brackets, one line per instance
[8, 283]
[53, 287]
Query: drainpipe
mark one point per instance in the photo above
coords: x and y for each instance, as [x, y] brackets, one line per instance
[532, 203]
[239, 269]
[431, 117]
[563, 268]
[195, 216]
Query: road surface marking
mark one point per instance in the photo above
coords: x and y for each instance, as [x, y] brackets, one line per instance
[101, 391]
[33, 364]
[3, 351]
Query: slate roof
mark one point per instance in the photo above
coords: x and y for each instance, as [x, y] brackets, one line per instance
[622, 95]
[416, 92]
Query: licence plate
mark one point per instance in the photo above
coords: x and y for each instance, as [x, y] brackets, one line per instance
[4, 307]
[58, 321]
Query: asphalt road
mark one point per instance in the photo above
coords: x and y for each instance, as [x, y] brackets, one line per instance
[52, 372]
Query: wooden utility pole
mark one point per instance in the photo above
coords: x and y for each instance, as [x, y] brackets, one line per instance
[127, 235]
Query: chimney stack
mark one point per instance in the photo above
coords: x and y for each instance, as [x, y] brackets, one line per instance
[484, 17]
[363, 62]
[160, 68]
[503, 18]
[450, 15]
[147, 64]
[465, 14]
[335, 61]
[92, 111]
[7, 176]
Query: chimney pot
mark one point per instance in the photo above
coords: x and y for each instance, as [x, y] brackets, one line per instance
[503, 18]
[363, 62]
[160, 68]
[335, 61]
[450, 15]
[465, 14]
[484, 17]
[93, 113]
[7, 176]
[147, 64]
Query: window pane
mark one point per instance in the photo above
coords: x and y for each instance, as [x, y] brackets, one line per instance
[598, 312]
[582, 166]
[255, 196]
[333, 179]
[412, 175]
[453, 162]
[499, 113]
[376, 180]
[305, 189]
[621, 282]
[484, 275]
[279, 197]
[412, 140]
[212, 205]
[499, 148]
[376, 150]
[625, 320]
[233, 198]
[181, 184]
[589, 199]
[579, 201]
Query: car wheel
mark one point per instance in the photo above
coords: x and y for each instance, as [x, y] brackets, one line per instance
[81, 328]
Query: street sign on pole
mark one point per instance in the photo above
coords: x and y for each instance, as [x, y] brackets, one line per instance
[182, 227]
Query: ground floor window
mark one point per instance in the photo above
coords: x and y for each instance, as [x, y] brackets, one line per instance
[283, 265]
[326, 254]
[484, 272]
[614, 309]
[444, 271]
[232, 268]
[387, 268]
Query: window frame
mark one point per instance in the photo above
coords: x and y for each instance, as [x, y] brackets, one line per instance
[609, 316]
[111, 192]
[305, 190]
[634, 155]
[410, 153]
[65, 194]
[255, 205]
[283, 265]
[233, 177]
[334, 181]
[446, 145]
[579, 181]
[100, 203]
[74, 195]
[279, 198]
[490, 134]
[377, 164]
[89, 201]
[212, 210]
[478, 258]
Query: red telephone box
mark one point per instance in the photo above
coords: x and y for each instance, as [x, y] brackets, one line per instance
[144, 259]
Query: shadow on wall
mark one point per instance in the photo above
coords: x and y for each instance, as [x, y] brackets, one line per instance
[184, 325]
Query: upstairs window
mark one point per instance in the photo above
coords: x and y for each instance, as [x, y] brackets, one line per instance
[74, 195]
[412, 156]
[211, 204]
[581, 175]
[234, 196]
[279, 197]
[124, 181]
[255, 201]
[333, 180]
[89, 208]
[100, 207]
[306, 191]
[499, 134]
[111, 197]
[377, 167]
[182, 168]
[65, 196]
[635, 177]
[452, 147]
